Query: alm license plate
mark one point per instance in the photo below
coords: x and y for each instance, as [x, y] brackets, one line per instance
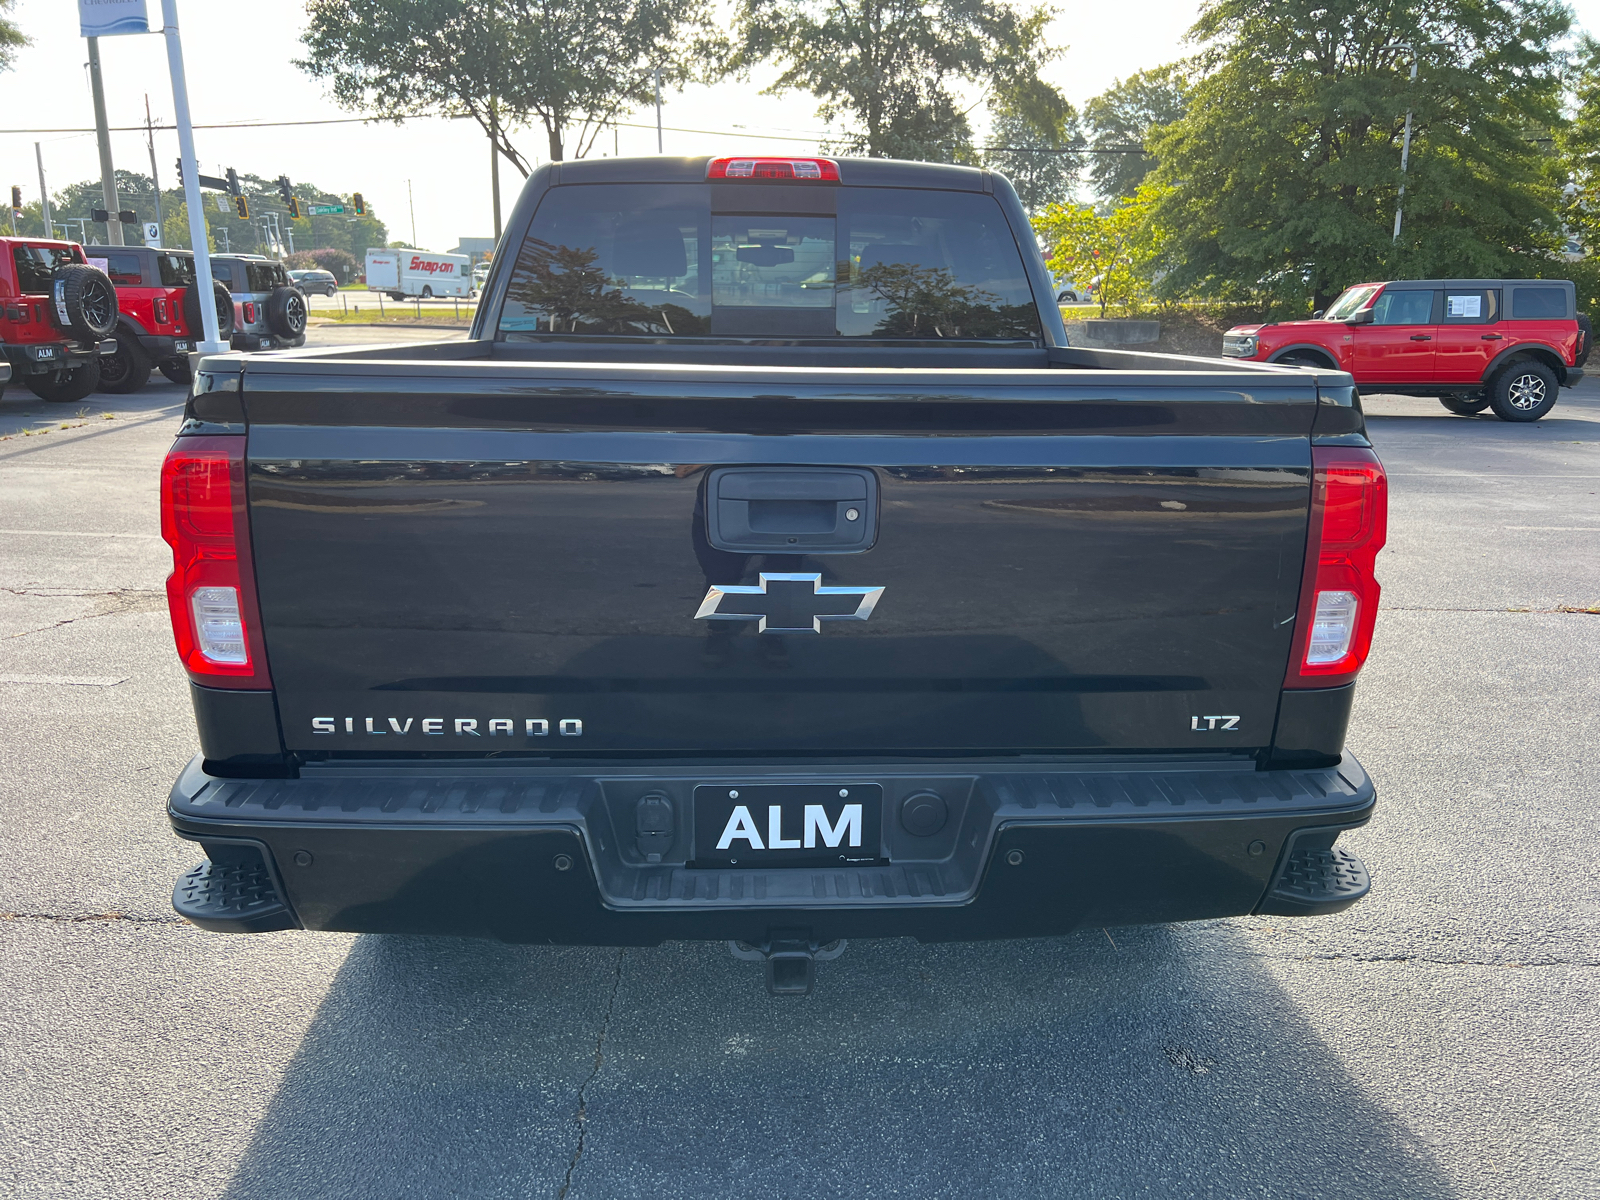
[788, 824]
[180, 344]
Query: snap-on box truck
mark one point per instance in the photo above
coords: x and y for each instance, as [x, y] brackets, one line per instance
[402, 274]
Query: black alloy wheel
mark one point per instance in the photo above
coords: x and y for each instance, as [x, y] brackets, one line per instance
[83, 302]
[128, 369]
[177, 370]
[64, 387]
[287, 312]
[1524, 391]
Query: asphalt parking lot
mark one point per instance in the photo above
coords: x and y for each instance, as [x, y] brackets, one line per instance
[1441, 1039]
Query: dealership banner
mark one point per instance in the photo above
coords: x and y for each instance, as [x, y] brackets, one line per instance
[105, 18]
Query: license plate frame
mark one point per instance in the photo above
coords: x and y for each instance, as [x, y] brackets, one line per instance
[723, 839]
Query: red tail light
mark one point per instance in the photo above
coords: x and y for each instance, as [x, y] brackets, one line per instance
[1339, 592]
[211, 591]
[249, 313]
[161, 311]
[811, 170]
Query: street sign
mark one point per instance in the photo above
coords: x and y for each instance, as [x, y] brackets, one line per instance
[322, 210]
[105, 18]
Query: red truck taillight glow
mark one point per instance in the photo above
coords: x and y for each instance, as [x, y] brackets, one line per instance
[817, 170]
[211, 592]
[1339, 590]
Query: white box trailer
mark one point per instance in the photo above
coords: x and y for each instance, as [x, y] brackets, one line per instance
[406, 273]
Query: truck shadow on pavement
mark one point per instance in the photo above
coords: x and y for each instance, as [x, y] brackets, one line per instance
[1172, 1064]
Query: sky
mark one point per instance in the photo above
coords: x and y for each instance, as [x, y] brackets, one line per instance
[239, 61]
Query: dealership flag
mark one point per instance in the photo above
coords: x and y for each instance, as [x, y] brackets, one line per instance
[103, 18]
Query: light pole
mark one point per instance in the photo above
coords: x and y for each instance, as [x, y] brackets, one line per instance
[1405, 146]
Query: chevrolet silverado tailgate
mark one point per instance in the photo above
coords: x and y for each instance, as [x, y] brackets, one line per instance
[490, 557]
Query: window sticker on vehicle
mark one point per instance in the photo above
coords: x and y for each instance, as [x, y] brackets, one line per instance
[1465, 306]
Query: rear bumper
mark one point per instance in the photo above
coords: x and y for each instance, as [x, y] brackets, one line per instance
[529, 854]
[160, 347]
[43, 358]
[266, 341]
[1571, 375]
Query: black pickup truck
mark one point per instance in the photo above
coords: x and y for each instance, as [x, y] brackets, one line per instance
[767, 567]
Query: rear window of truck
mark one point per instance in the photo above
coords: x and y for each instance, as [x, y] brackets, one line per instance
[655, 261]
[177, 270]
[35, 265]
[265, 276]
[1536, 303]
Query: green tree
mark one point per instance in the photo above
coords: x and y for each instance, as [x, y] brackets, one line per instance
[1119, 252]
[572, 65]
[1284, 174]
[1042, 165]
[1122, 118]
[1579, 144]
[895, 69]
[12, 38]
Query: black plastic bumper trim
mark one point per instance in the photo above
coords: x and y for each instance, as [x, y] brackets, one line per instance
[525, 855]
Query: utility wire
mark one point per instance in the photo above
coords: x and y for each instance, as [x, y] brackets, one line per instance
[735, 133]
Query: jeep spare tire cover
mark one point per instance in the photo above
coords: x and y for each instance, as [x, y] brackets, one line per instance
[83, 302]
[191, 310]
[1585, 340]
[286, 312]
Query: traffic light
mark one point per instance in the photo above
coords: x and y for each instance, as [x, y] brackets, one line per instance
[283, 188]
[294, 208]
[241, 206]
[358, 204]
[180, 171]
[16, 197]
[233, 183]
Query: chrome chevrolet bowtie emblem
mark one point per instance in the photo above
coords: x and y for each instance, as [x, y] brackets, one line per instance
[788, 603]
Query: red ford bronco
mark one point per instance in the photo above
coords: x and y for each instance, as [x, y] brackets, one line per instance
[1509, 344]
[56, 313]
[160, 315]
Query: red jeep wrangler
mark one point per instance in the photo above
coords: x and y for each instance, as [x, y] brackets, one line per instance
[57, 314]
[1474, 343]
[160, 314]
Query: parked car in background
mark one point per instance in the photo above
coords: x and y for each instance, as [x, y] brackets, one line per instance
[315, 282]
[401, 274]
[269, 311]
[158, 320]
[1506, 344]
[56, 316]
[480, 276]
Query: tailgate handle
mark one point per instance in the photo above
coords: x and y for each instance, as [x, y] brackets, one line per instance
[792, 510]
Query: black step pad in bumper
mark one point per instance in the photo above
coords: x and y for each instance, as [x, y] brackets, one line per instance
[238, 896]
[1313, 881]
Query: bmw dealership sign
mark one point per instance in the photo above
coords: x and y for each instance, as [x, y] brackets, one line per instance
[103, 18]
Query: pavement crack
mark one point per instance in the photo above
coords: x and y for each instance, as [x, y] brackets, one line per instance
[112, 603]
[583, 1090]
[1430, 961]
[80, 918]
[1591, 610]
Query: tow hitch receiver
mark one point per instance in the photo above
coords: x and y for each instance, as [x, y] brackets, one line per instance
[789, 959]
